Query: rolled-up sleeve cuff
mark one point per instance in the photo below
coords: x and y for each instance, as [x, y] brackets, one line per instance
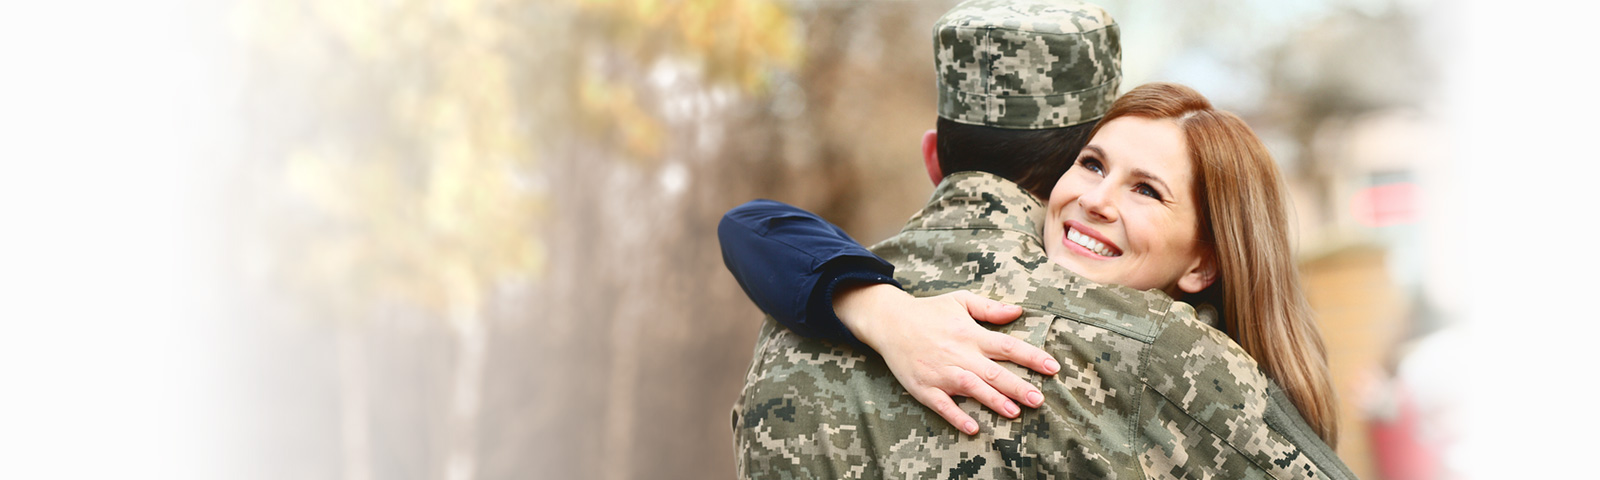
[838, 274]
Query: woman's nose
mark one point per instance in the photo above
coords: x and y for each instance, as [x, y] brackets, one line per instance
[1098, 204]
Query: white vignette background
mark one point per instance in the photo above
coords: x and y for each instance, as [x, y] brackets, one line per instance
[112, 117]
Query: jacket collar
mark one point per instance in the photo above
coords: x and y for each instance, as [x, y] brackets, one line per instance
[980, 200]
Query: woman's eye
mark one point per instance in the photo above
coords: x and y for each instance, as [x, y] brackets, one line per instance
[1146, 190]
[1092, 165]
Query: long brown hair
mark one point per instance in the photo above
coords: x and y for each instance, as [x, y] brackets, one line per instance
[1243, 218]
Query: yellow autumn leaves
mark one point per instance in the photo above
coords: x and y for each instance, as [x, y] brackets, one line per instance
[423, 124]
[735, 40]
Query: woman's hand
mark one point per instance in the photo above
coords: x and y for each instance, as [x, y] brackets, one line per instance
[936, 350]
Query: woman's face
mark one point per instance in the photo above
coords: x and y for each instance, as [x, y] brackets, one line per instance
[1126, 212]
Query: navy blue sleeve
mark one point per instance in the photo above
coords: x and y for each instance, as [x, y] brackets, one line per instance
[790, 262]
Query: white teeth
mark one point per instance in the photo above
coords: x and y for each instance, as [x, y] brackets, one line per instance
[1089, 243]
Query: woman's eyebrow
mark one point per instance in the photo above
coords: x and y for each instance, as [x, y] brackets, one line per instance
[1145, 174]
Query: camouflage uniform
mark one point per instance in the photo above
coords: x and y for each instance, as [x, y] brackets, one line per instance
[1146, 389]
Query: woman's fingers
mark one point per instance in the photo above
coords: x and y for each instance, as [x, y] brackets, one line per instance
[945, 406]
[1000, 346]
[936, 350]
[968, 384]
[1007, 383]
[986, 310]
[1005, 347]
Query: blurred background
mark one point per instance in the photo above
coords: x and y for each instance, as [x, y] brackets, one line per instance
[475, 239]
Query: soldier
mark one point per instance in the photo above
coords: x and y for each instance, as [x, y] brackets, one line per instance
[1146, 387]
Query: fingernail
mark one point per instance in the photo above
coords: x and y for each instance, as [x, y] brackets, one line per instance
[1052, 365]
[1034, 399]
[971, 427]
[1011, 409]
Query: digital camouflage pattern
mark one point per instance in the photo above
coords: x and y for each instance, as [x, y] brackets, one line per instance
[1026, 65]
[1147, 389]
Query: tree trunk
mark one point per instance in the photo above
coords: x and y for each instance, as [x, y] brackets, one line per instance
[620, 395]
[354, 409]
[461, 462]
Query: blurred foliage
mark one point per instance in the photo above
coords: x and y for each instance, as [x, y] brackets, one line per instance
[415, 130]
[415, 148]
[733, 40]
[729, 41]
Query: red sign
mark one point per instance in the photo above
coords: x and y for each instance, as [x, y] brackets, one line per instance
[1386, 205]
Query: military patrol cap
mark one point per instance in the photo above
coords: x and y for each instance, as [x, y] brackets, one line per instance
[1030, 64]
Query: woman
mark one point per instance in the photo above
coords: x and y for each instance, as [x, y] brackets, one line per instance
[1172, 195]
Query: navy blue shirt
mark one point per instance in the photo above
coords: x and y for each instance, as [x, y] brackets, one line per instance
[790, 261]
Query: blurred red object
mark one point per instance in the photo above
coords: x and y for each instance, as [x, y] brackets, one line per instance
[1385, 205]
[1397, 445]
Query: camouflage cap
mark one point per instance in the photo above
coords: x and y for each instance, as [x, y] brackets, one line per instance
[1028, 64]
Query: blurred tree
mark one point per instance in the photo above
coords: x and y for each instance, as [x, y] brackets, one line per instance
[410, 144]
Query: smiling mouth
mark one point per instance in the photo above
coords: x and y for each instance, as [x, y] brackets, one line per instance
[1091, 244]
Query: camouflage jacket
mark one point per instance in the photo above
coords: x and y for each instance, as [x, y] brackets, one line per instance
[1147, 389]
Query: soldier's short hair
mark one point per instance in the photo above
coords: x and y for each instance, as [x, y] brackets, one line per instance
[1034, 159]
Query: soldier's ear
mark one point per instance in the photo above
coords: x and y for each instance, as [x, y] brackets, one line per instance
[1200, 275]
[930, 155]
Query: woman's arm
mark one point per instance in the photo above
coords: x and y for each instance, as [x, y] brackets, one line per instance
[790, 262]
[812, 277]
